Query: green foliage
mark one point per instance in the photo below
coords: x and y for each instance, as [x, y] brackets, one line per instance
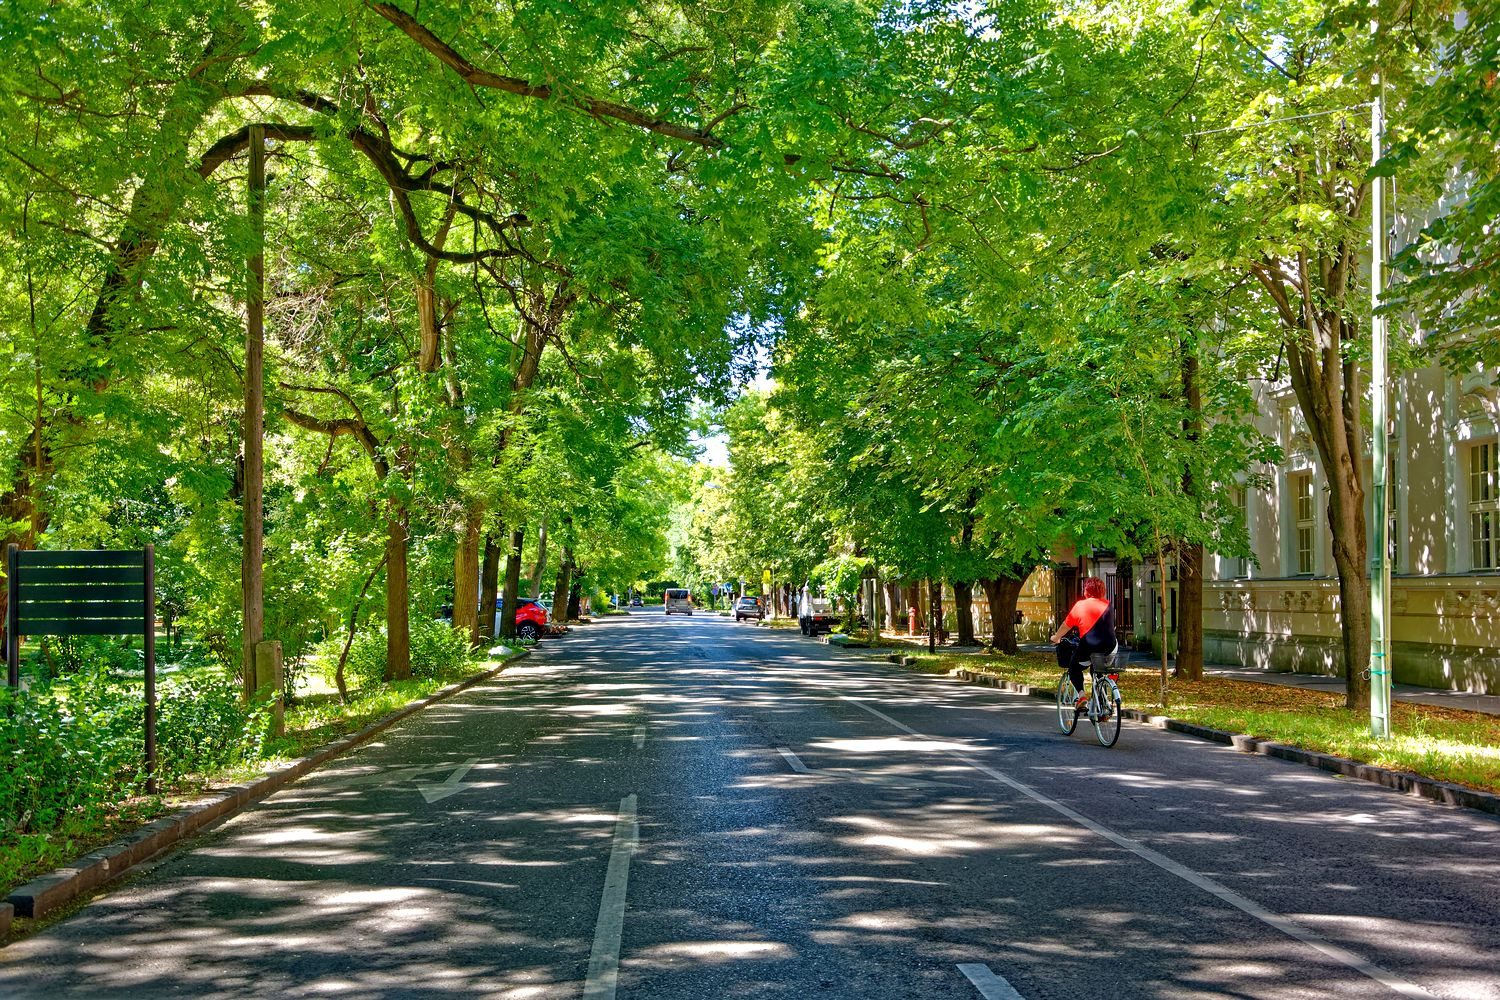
[77, 748]
[979, 247]
[841, 575]
[437, 651]
[60, 761]
[58, 656]
[203, 727]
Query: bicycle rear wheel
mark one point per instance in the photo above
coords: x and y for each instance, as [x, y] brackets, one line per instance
[1067, 694]
[1106, 711]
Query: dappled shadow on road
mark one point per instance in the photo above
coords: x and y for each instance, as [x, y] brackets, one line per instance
[790, 843]
[917, 854]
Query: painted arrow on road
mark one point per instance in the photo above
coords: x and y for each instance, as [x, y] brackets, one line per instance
[450, 785]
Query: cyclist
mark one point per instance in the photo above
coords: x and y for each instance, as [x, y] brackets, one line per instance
[1094, 618]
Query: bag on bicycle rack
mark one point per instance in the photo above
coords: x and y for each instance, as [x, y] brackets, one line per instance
[1067, 651]
[1105, 663]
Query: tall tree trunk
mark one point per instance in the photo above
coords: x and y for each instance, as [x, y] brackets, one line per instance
[963, 609]
[561, 587]
[253, 424]
[489, 585]
[1311, 292]
[963, 590]
[575, 596]
[1189, 611]
[397, 599]
[540, 566]
[1003, 592]
[430, 331]
[466, 573]
[1330, 397]
[1190, 553]
[512, 583]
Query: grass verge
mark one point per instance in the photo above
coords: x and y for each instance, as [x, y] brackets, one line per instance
[315, 721]
[1440, 743]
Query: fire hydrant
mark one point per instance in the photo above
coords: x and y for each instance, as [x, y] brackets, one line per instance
[911, 621]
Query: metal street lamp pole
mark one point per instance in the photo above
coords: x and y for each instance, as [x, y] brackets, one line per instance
[1380, 571]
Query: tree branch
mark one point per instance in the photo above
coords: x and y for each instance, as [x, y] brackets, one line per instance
[476, 77]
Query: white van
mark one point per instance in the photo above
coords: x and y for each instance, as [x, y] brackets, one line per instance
[678, 601]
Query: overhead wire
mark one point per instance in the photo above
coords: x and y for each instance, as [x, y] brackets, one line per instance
[1274, 121]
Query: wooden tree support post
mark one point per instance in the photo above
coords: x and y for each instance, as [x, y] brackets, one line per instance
[269, 683]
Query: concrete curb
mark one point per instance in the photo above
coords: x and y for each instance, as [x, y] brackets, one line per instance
[46, 893]
[1411, 784]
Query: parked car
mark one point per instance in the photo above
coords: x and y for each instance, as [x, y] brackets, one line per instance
[749, 607]
[678, 602]
[531, 618]
[816, 616]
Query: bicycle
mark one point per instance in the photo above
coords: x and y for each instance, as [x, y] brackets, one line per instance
[1102, 706]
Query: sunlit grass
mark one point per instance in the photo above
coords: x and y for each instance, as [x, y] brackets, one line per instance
[1440, 743]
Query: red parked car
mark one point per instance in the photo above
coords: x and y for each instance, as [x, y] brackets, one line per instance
[531, 619]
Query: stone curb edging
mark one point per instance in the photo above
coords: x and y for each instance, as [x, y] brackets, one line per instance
[48, 892]
[1412, 784]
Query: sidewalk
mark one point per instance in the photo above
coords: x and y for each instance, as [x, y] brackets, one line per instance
[1464, 701]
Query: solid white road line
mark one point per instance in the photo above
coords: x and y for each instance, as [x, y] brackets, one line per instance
[793, 760]
[640, 737]
[989, 985]
[1286, 925]
[604, 960]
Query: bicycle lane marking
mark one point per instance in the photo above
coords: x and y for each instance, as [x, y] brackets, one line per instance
[1283, 924]
[989, 985]
[792, 760]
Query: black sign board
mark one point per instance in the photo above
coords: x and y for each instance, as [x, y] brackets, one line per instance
[84, 592]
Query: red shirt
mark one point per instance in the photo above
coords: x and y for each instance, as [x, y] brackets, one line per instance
[1085, 613]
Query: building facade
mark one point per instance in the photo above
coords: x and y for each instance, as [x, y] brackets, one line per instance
[1278, 609]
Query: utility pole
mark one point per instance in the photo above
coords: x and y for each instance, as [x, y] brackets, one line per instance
[1380, 570]
[253, 612]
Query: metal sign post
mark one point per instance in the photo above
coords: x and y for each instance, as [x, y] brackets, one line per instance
[1380, 571]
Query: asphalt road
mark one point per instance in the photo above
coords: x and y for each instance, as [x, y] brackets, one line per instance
[689, 808]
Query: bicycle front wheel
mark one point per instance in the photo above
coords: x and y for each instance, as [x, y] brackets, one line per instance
[1067, 694]
[1106, 713]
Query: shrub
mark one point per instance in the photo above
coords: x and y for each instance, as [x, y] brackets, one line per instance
[79, 746]
[61, 656]
[436, 651]
[201, 725]
[61, 756]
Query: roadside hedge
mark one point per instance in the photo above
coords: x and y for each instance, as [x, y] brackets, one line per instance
[77, 746]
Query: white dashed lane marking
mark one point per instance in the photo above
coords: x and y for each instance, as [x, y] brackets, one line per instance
[989, 985]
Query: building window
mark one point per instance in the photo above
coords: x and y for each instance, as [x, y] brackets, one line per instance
[1304, 513]
[1484, 506]
[1239, 567]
